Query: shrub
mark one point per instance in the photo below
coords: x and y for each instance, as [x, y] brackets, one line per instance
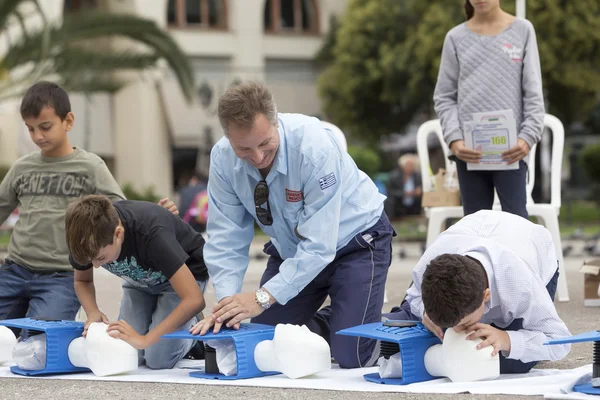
[366, 159]
[146, 194]
[590, 160]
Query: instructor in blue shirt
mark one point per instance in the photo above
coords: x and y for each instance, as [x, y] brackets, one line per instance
[329, 233]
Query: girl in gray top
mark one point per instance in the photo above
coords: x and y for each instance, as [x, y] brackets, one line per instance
[490, 63]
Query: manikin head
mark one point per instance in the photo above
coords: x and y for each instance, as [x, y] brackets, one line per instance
[7, 342]
[294, 351]
[459, 359]
[101, 353]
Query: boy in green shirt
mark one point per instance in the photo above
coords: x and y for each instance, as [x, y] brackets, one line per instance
[36, 279]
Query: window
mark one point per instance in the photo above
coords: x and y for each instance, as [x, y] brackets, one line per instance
[293, 16]
[211, 14]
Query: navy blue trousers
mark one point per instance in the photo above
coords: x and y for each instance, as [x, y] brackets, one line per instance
[477, 189]
[507, 365]
[355, 282]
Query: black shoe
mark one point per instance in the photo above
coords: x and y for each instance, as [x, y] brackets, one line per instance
[196, 352]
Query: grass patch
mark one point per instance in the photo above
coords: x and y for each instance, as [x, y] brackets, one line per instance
[4, 239]
[580, 212]
[586, 230]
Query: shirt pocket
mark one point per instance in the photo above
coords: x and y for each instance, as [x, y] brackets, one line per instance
[291, 213]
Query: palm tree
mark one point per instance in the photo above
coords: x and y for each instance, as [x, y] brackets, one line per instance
[56, 51]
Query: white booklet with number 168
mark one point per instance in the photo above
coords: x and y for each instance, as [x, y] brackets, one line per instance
[491, 133]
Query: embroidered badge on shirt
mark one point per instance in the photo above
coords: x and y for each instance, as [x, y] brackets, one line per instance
[327, 181]
[515, 53]
[293, 196]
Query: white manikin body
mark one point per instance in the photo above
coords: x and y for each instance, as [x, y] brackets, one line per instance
[7, 343]
[294, 351]
[458, 359]
[103, 354]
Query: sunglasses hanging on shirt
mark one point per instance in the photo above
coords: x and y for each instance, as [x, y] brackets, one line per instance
[261, 196]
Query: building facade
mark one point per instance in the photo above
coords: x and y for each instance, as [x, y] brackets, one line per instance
[146, 132]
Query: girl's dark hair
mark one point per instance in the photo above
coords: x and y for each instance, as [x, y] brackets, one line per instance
[469, 10]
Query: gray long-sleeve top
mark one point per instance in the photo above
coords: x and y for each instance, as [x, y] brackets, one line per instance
[490, 73]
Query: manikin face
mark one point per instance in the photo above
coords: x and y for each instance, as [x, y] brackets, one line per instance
[49, 132]
[110, 253]
[258, 145]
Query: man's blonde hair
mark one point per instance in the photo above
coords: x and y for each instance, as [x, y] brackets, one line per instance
[241, 103]
[90, 225]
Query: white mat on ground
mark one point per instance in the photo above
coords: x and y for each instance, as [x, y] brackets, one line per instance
[537, 382]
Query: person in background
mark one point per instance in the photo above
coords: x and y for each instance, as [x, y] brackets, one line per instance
[193, 202]
[491, 63]
[404, 188]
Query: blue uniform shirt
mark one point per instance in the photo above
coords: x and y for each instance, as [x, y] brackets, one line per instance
[319, 201]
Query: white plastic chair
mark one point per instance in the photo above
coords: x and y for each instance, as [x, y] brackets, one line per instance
[547, 212]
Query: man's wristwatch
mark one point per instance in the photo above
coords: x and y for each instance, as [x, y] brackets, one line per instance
[263, 299]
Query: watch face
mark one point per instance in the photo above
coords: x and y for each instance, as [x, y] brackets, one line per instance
[262, 297]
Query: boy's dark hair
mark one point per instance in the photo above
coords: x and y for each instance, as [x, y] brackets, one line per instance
[452, 288]
[90, 225]
[45, 94]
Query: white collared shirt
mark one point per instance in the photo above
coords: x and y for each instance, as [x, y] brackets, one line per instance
[520, 259]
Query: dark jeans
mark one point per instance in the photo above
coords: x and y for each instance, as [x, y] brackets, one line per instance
[507, 365]
[24, 293]
[355, 282]
[477, 189]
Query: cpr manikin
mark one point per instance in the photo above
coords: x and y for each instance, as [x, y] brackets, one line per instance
[7, 343]
[101, 353]
[459, 359]
[294, 351]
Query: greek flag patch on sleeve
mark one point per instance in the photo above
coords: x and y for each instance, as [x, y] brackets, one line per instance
[327, 181]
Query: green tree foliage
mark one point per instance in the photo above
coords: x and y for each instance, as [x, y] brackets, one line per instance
[385, 56]
[147, 194]
[591, 164]
[366, 159]
[64, 51]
